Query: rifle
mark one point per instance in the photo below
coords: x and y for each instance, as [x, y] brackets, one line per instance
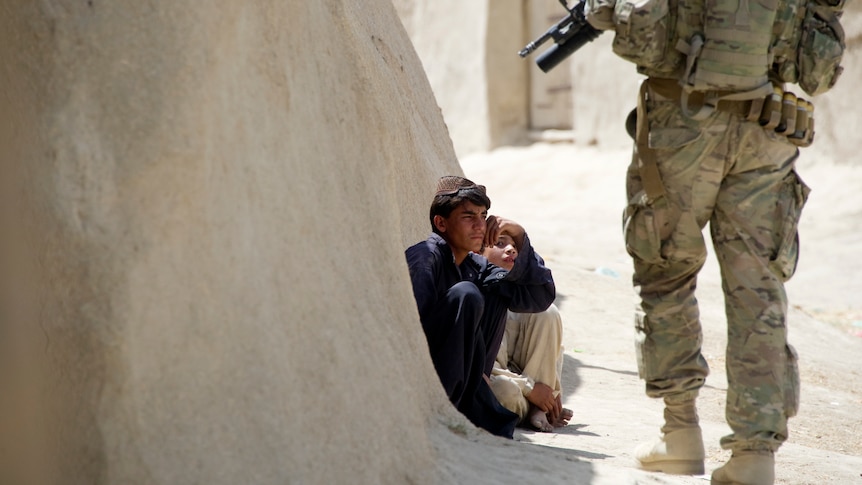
[570, 34]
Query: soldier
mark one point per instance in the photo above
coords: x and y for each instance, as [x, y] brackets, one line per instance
[716, 137]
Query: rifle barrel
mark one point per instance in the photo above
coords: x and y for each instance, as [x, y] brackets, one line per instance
[535, 44]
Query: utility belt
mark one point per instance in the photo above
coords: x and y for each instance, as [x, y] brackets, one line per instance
[781, 111]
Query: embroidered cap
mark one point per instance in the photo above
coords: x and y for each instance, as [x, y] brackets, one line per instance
[451, 184]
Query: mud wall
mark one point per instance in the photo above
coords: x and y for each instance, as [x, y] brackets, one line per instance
[204, 214]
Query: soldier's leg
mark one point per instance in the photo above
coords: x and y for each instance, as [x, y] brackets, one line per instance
[754, 233]
[668, 338]
[665, 240]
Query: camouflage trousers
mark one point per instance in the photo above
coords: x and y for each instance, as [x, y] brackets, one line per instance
[740, 179]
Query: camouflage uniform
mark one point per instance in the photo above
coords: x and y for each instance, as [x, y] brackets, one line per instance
[739, 178]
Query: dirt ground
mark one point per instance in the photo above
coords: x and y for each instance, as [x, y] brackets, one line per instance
[570, 200]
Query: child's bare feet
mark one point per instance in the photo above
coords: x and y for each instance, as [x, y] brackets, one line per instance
[564, 418]
[539, 419]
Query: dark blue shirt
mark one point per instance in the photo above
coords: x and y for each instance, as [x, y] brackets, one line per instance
[527, 288]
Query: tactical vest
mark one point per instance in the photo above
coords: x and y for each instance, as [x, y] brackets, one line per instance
[739, 47]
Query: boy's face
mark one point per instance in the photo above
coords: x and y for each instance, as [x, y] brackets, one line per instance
[464, 229]
[503, 252]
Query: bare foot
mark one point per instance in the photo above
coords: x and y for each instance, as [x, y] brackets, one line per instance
[564, 418]
[539, 420]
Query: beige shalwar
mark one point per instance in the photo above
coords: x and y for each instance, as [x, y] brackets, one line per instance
[531, 351]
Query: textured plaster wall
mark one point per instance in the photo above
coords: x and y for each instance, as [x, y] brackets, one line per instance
[205, 207]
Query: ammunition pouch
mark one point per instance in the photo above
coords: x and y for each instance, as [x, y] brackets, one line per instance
[644, 32]
[820, 50]
[809, 44]
[781, 111]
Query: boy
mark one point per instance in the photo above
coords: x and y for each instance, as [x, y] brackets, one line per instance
[526, 377]
[462, 298]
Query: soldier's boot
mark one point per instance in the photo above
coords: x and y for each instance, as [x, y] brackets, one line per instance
[746, 468]
[679, 450]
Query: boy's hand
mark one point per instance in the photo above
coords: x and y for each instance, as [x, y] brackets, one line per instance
[496, 225]
[542, 396]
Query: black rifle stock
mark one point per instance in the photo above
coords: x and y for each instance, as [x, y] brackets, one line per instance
[570, 34]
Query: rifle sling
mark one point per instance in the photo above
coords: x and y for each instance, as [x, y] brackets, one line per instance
[647, 162]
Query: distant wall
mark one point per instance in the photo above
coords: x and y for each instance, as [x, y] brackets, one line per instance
[603, 86]
[469, 52]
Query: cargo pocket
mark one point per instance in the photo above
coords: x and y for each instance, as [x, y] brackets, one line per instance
[642, 224]
[791, 199]
[791, 385]
[647, 224]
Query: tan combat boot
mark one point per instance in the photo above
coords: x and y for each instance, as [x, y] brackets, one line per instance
[746, 468]
[679, 450]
